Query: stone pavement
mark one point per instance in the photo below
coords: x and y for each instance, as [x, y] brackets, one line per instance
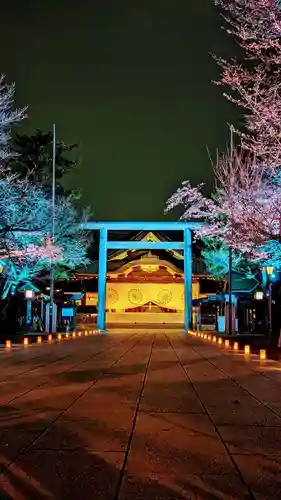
[136, 415]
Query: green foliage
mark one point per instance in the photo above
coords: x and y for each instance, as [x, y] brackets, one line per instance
[26, 246]
[269, 254]
[216, 257]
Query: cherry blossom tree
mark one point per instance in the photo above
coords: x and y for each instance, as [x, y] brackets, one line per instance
[26, 246]
[254, 84]
[244, 211]
[8, 117]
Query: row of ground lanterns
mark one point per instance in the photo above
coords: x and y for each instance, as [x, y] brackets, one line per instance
[50, 338]
[226, 343]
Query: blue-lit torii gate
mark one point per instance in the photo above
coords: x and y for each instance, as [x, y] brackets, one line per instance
[106, 244]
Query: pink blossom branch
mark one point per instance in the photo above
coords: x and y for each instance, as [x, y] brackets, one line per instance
[256, 26]
[47, 252]
[245, 210]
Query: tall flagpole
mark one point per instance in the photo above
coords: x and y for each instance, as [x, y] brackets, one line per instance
[52, 325]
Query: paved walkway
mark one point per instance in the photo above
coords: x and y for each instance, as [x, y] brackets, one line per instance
[134, 416]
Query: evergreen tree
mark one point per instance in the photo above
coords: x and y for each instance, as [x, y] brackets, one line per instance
[35, 160]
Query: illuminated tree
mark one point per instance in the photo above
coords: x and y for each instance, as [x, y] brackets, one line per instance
[8, 117]
[216, 258]
[244, 211]
[254, 85]
[26, 246]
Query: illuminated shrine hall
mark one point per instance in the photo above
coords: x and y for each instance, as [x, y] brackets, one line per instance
[144, 287]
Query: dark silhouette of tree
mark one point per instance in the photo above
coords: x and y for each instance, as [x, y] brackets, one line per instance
[35, 159]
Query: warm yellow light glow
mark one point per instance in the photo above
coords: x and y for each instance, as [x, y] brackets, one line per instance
[209, 337]
[49, 338]
[259, 295]
[59, 336]
[214, 338]
[86, 334]
[8, 344]
[39, 340]
[147, 268]
[220, 340]
[262, 354]
[247, 350]
[67, 335]
[74, 334]
[205, 336]
[269, 270]
[236, 346]
[79, 334]
[226, 343]
[25, 341]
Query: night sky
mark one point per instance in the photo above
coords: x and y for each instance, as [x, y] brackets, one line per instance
[131, 81]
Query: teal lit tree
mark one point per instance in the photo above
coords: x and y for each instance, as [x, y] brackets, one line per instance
[216, 258]
[26, 246]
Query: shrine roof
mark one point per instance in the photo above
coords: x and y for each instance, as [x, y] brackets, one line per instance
[118, 259]
[242, 283]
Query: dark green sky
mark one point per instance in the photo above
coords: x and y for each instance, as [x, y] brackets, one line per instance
[131, 81]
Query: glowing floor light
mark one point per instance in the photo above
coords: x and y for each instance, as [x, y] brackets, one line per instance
[262, 354]
[247, 350]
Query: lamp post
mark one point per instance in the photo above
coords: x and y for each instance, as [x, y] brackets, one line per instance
[29, 294]
[230, 309]
[269, 273]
